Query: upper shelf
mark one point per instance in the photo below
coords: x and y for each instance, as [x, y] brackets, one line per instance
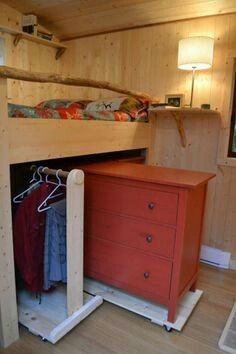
[23, 35]
[179, 113]
[182, 110]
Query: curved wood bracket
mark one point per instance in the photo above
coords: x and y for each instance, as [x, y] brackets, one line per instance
[59, 52]
[180, 126]
[17, 39]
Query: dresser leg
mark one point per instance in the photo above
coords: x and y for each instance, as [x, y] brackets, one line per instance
[172, 312]
[193, 287]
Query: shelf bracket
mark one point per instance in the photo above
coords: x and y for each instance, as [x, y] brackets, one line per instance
[180, 126]
[17, 39]
[59, 52]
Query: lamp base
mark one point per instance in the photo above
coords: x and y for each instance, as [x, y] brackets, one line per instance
[193, 78]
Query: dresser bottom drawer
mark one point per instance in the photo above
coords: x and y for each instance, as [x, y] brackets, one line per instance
[128, 269]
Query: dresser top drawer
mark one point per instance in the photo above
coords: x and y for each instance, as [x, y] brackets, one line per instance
[131, 200]
[152, 174]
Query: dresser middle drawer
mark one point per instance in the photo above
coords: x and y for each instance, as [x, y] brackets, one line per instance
[146, 236]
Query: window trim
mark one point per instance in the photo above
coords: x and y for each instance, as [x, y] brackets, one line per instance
[223, 159]
[231, 153]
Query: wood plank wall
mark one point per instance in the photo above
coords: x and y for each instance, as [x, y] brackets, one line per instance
[146, 59]
[29, 56]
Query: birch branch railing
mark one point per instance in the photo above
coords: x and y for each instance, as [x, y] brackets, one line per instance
[18, 74]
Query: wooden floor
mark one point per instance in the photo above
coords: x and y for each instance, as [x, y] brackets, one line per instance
[112, 330]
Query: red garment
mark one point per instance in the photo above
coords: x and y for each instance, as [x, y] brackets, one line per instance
[28, 237]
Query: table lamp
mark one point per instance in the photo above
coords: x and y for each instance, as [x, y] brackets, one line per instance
[2, 52]
[195, 53]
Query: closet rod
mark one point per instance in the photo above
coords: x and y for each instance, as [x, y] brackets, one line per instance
[49, 171]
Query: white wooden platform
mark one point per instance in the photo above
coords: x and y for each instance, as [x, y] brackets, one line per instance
[156, 313]
[49, 319]
[227, 340]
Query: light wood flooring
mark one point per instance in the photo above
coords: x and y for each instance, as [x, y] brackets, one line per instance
[112, 330]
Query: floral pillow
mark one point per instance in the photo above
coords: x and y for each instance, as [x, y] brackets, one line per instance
[20, 111]
[67, 109]
[63, 104]
[133, 106]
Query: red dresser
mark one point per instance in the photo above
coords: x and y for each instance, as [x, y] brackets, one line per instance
[143, 229]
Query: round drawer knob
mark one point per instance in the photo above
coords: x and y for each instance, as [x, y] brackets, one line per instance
[146, 275]
[151, 205]
[149, 238]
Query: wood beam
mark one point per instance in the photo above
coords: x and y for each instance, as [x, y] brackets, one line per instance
[85, 139]
[8, 310]
[17, 74]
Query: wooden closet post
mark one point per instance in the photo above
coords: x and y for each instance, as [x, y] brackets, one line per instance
[75, 239]
[8, 309]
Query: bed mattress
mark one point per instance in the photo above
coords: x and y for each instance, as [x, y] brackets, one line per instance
[123, 110]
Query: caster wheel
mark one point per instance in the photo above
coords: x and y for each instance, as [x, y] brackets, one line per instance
[167, 328]
[43, 339]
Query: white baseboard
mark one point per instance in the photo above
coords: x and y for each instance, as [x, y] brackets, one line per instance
[215, 257]
[232, 264]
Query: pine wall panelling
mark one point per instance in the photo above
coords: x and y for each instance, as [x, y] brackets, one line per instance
[29, 56]
[146, 59]
[9, 17]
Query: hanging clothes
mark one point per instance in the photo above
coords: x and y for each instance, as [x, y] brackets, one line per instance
[28, 237]
[55, 245]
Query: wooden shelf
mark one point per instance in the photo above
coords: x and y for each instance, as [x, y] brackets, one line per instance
[179, 114]
[187, 110]
[23, 35]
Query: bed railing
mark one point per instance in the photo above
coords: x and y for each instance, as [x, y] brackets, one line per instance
[18, 74]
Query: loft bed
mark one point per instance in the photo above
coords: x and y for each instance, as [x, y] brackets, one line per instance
[26, 139]
[47, 139]
[30, 139]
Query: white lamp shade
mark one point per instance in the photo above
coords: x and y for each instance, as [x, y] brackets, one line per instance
[195, 53]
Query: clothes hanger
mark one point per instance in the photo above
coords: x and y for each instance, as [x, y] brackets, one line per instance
[51, 182]
[19, 198]
[43, 206]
